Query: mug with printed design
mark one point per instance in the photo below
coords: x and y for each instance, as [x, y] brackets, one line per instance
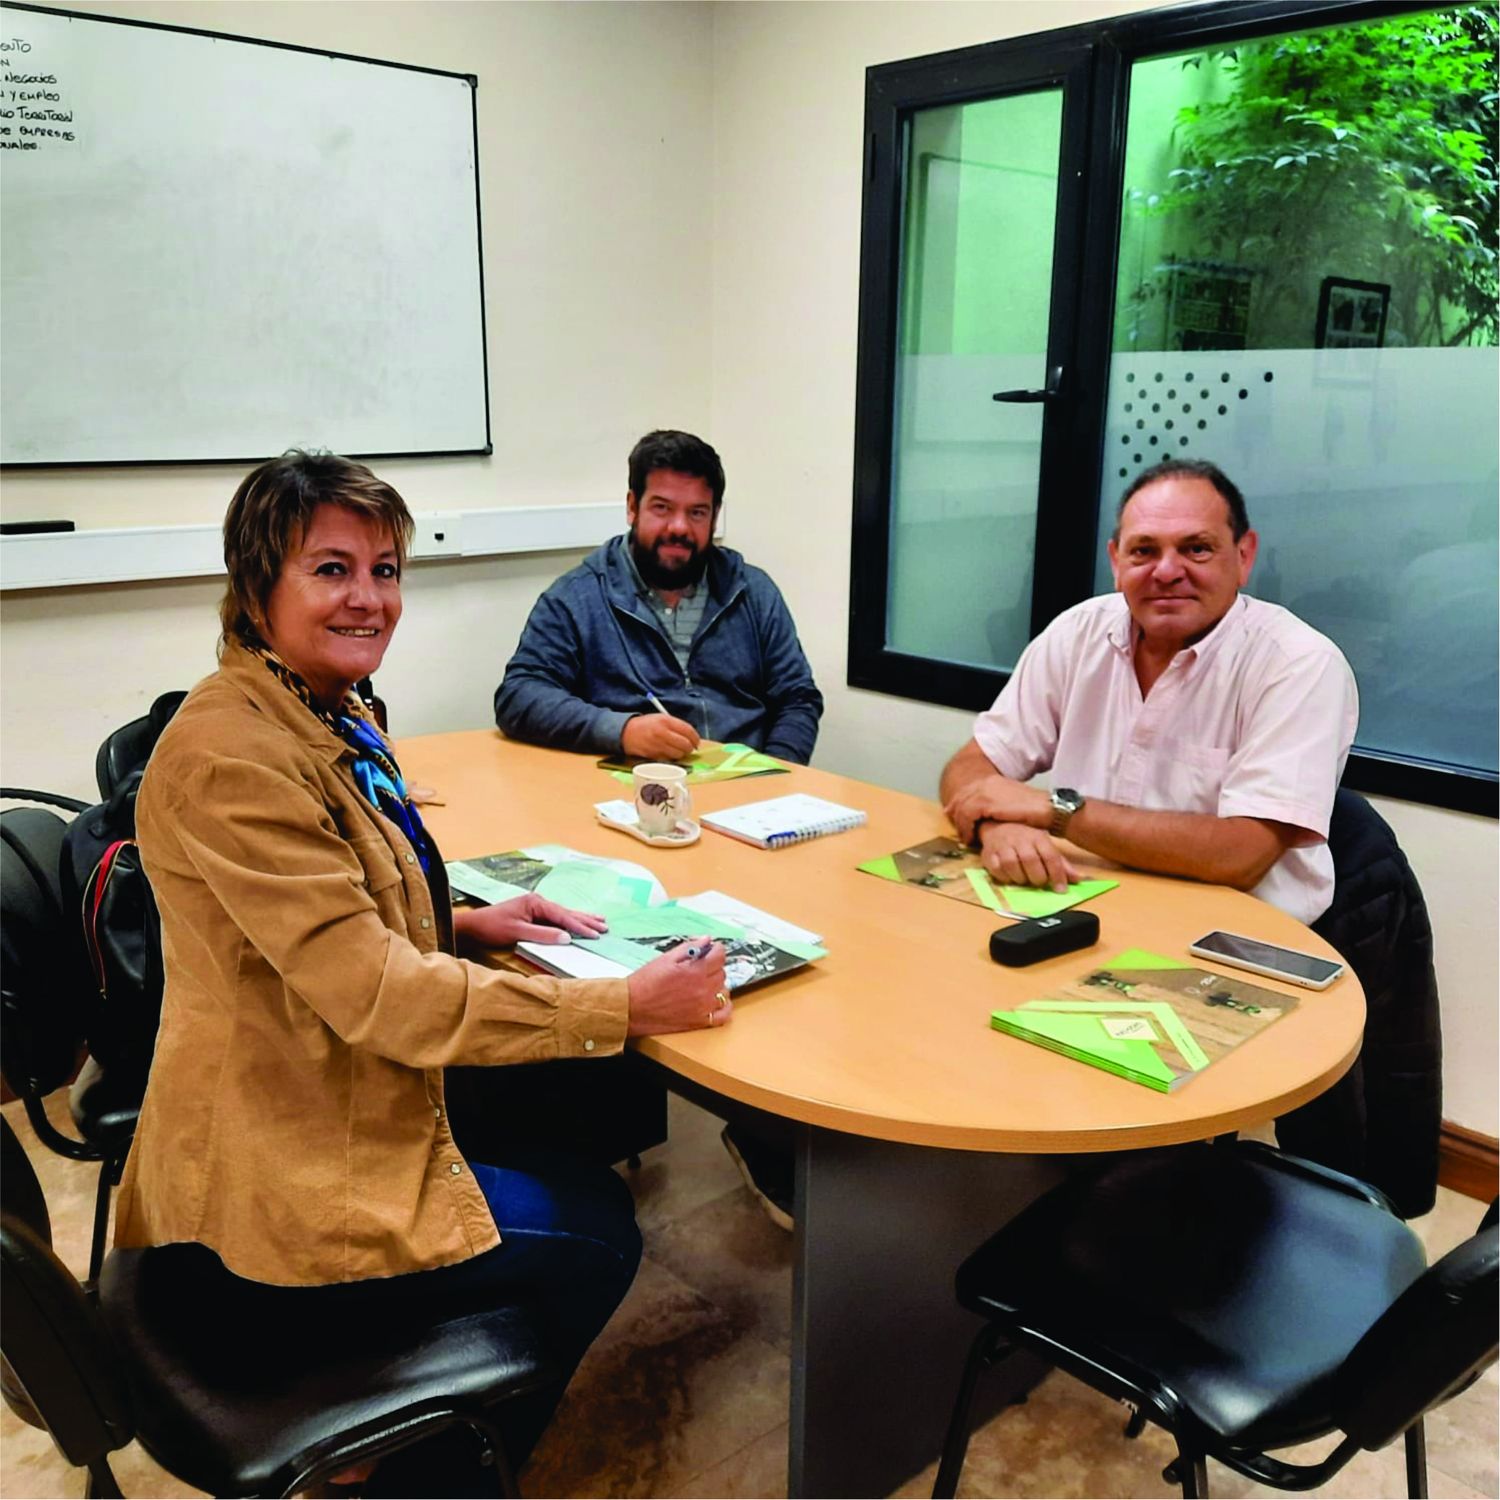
[661, 797]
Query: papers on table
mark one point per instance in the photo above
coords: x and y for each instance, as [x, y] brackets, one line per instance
[643, 922]
[709, 762]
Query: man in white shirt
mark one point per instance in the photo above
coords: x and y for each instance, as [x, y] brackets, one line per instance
[1189, 729]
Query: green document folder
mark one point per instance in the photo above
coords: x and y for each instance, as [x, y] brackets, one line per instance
[1147, 1018]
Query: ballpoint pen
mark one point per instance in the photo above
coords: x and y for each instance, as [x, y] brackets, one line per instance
[656, 703]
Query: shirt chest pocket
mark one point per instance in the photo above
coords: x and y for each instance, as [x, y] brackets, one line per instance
[381, 872]
[1194, 776]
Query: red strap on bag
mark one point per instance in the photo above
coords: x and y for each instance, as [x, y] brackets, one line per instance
[93, 899]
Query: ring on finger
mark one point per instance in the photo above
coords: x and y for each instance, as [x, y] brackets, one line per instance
[722, 997]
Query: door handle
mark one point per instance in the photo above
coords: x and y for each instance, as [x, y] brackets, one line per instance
[1050, 392]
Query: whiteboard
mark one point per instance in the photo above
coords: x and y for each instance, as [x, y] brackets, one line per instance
[216, 249]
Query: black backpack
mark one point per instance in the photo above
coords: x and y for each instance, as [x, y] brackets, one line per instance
[106, 891]
[109, 919]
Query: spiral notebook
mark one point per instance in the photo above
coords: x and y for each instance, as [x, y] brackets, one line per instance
[783, 820]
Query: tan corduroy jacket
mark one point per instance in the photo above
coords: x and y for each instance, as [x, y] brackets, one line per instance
[294, 1120]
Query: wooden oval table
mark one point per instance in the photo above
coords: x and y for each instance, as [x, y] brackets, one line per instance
[918, 1129]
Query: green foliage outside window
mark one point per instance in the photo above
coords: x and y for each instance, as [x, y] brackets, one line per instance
[1365, 152]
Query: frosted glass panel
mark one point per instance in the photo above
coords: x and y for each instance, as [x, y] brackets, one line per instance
[1306, 297]
[981, 200]
[1371, 476]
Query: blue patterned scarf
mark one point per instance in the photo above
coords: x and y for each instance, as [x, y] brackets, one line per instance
[375, 770]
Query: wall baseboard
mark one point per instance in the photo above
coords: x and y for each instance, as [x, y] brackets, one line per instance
[1468, 1162]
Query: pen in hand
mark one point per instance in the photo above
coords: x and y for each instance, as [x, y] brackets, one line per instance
[656, 703]
[700, 949]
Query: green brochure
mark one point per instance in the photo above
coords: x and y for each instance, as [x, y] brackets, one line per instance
[1147, 1018]
[709, 762]
[643, 922]
[952, 869]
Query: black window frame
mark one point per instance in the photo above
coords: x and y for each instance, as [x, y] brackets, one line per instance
[1092, 63]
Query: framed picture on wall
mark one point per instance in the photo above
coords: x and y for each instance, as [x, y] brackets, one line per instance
[1208, 306]
[1351, 314]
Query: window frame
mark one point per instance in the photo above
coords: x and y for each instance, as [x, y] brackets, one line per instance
[1091, 62]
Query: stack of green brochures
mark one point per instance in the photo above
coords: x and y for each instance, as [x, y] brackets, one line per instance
[1150, 1019]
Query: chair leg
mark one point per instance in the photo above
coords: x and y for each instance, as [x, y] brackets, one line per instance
[1416, 1460]
[1190, 1470]
[495, 1455]
[102, 1192]
[100, 1481]
[956, 1444]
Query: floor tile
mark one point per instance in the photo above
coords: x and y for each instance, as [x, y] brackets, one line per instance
[731, 1253]
[756, 1472]
[673, 1386]
[692, 1167]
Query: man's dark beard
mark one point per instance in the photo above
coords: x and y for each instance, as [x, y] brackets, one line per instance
[658, 575]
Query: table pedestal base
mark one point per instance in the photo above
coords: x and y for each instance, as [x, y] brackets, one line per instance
[878, 1339]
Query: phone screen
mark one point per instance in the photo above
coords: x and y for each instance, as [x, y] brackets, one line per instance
[1247, 950]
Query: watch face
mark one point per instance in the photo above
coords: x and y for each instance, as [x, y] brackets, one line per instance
[1066, 798]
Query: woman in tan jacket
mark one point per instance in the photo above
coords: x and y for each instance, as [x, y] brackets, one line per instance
[295, 1124]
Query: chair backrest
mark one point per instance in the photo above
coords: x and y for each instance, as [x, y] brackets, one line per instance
[1431, 1342]
[1383, 1120]
[42, 997]
[61, 1368]
[130, 746]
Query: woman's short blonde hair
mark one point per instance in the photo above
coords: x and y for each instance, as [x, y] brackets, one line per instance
[270, 513]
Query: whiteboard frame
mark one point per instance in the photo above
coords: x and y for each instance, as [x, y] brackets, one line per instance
[472, 79]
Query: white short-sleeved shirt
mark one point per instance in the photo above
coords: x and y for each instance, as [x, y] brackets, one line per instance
[1254, 721]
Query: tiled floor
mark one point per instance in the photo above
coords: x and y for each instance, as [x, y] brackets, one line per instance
[686, 1392]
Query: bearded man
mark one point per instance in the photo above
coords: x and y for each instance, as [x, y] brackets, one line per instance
[661, 638]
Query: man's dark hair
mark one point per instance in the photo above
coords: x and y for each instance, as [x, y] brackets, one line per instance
[1191, 468]
[682, 453]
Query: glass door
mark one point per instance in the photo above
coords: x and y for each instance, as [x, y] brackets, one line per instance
[977, 247]
[976, 309]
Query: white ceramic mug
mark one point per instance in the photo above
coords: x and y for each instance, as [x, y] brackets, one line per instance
[661, 797]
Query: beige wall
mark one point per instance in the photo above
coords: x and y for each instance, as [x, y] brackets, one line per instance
[671, 224]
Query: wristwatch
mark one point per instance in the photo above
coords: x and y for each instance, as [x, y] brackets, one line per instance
[1065, 802]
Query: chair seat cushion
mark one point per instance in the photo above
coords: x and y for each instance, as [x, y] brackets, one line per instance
[105, 1105]
[235, 1385]
[1226, 1282]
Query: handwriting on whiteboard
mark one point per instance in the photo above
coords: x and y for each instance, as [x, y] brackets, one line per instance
[34, 112]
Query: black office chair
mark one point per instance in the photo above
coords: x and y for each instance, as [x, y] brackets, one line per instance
[1242, 1300]
[52, 1006]
[129, 747]
[1381, 1122]
[228, 1384]
[47, 997]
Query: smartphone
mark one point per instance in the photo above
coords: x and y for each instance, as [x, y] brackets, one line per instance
[1265, 958]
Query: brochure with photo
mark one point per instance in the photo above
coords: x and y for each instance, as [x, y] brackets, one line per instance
[949, 868]
[643, 921]
[1147, 1018]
